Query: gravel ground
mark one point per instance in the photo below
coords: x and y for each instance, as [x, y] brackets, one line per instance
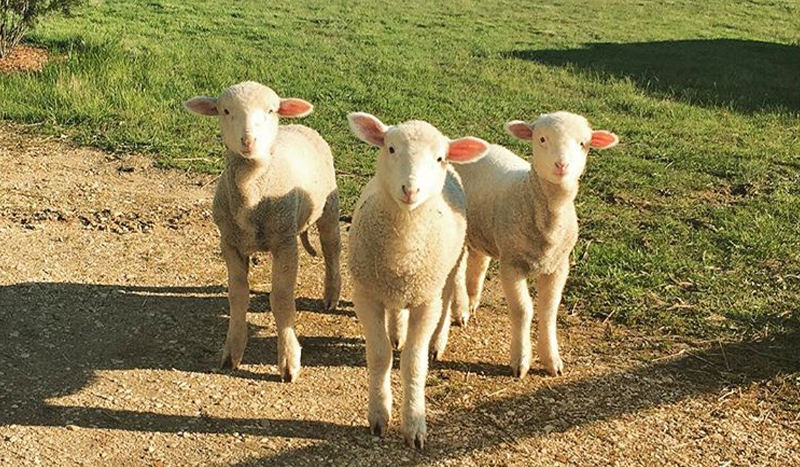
[113, 313]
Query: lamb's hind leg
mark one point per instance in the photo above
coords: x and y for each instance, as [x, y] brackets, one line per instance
[397, 327]
[550, 288]
[281, 299]
[328, 226]
[454, 303]
[239, 299]
[477, 265]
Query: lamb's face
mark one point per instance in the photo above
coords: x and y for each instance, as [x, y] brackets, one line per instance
[248, 116]
[248, 119]
[412, 164]
[560, 143]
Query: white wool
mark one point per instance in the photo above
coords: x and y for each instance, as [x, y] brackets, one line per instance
[278, 181]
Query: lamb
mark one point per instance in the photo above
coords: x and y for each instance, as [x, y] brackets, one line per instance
[278, 180]
[524, 215]
[406, 240]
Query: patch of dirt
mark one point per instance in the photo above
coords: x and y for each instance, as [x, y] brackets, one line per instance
[23, 59]
[113, 311]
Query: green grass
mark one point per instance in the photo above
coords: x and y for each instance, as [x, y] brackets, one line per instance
[691, 224]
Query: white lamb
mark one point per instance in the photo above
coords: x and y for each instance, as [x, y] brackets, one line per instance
[278, 180]
[524, 215]
[406, 239]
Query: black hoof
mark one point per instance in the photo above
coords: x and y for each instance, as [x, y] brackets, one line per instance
[379, 430]
[418, 443]
[287, 376]
[227, 364]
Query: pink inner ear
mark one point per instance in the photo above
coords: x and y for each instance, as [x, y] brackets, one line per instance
[202, 106]
[520, 129]
[294, 108]
[603, 139]
[368, 128]
[466, 150]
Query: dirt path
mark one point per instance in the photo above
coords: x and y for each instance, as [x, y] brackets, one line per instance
[113, 311]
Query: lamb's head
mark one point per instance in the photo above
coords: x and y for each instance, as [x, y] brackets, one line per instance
[413, 158]
[248, 116]
[560, 143]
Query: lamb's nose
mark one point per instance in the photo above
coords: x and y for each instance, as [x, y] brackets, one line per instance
[409, 193]
[410, 190]
[248, 142]
[562, 166]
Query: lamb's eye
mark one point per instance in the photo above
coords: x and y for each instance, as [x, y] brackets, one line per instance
[583, 144]
[272, 111]
[440, 159]
[541, 139]
[226, 111]
[391, 150]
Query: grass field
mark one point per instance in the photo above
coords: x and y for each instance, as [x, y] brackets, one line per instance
[690, 225]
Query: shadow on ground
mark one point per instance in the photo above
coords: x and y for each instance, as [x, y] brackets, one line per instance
[63, 333]
[747, 75]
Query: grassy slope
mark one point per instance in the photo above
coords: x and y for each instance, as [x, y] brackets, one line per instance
[690, 224]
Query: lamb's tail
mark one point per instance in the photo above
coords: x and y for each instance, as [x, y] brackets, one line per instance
[306, 244]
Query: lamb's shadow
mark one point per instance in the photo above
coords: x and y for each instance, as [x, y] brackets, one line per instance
[558, 407]
[554, 407]
[744, 74]
[55, 336]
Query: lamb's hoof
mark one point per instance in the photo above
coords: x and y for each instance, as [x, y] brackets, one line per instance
[416, 441]
[462, 320]
[289, 376]
[414, 431]
[519, 371]
[379, 428]
[332, 292]
[436, 355]
[229, 362]
[554, 368]
[379, 423]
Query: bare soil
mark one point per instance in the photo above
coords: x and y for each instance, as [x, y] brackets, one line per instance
[23, 58]
[113, 313]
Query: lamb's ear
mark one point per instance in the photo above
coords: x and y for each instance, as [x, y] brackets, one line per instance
[602, 139]
[206, 106]
[291, 107]
[519, 129]
[368, 128]
[466, 150]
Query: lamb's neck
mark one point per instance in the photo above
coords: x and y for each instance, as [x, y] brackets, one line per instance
[403, 218]
[552, 203]
[243, 174]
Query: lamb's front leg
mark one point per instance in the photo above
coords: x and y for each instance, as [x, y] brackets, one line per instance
[422, 322]
[281, 299]
[372, 316]
[239, 299]
[550, 288]
[515, 287]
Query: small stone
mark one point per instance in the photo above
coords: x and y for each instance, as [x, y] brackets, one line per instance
[72, 427]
